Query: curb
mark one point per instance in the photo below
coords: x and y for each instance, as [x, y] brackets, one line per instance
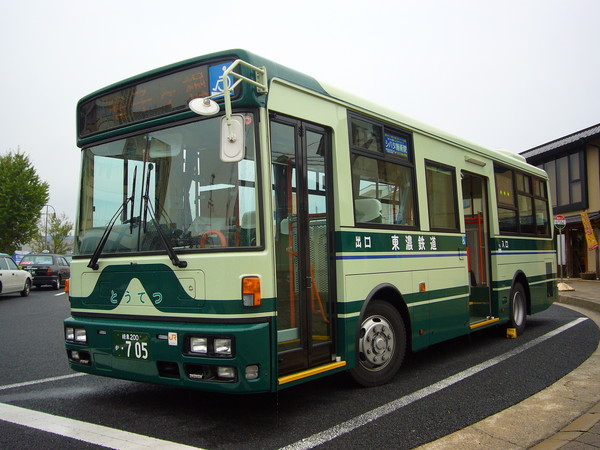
[580, 302]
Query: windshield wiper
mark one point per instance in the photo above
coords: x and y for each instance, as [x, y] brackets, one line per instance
[132, 198]
[93, 264]
[149, 209]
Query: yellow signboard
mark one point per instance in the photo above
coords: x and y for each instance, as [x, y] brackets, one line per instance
[589, 232]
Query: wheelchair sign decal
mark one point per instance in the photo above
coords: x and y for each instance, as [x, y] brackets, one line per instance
[215, 78]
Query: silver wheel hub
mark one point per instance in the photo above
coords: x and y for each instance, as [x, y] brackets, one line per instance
[376, 345]
[518, 308]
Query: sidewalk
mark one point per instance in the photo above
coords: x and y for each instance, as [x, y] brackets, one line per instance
[585, 293]
[565, 415]
[583, 432]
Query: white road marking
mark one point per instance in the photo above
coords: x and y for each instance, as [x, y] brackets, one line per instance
[83, 431]
[43, 380]
[358, 421]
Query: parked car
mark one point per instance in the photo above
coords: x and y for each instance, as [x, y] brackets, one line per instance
[13, 279]
[46, 269]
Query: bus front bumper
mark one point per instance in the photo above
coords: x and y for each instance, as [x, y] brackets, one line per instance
[207, 356]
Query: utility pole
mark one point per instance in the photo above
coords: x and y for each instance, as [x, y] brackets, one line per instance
[46, 230]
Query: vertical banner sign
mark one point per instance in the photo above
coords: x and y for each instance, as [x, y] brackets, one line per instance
[589, 232]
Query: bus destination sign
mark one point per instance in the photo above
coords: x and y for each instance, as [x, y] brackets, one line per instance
[149, 99]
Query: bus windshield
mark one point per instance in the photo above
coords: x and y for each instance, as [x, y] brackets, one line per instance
[173, 179]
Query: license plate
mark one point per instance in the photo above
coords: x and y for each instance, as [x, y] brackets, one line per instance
[131, 345]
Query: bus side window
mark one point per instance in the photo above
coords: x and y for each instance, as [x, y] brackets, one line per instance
[441, 197]
[383, 173]
[383, 192]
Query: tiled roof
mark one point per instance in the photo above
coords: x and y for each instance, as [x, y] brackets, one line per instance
[583, 135]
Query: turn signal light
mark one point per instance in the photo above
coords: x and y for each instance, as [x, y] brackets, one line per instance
[251, 291]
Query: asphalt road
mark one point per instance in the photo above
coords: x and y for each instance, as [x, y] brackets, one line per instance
[438, 391]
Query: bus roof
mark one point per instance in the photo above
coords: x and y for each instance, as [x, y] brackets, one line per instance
[417, 126]
[278, 71]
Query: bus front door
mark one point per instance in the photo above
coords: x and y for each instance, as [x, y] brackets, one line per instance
[299, 161]
[476, 226]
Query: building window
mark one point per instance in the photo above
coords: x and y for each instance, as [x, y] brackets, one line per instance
[567, 182]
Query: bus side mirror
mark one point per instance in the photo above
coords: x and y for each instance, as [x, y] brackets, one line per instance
[233, 138]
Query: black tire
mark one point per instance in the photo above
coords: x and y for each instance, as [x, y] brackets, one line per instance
[518, 308]
[380, 345]
[26, 289]
[56, 285]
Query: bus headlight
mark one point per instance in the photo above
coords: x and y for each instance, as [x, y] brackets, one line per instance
[76, 335]
[226, 372]
[79, 356]
[199, 345]
[223, 346]
[80, 335]
[209, 346]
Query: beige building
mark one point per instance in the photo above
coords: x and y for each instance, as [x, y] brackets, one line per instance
[573, 166]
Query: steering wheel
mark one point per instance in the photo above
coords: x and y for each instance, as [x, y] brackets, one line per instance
[208, 233]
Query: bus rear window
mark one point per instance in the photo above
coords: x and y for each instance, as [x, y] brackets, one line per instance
[522, 203]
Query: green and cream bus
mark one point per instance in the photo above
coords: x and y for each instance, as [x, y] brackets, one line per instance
[243, 227]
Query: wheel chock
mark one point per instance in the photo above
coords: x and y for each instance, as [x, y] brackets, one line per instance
[511, 333]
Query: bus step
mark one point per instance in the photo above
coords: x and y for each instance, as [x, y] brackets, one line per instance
[483, 323]
[311, 372]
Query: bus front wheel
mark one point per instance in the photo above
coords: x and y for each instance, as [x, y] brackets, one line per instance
[518, 308]
[380, 345]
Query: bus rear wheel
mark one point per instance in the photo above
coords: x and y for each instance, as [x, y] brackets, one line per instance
[380, 345]
[518, 308]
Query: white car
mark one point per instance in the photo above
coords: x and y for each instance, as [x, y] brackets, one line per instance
[13, 279]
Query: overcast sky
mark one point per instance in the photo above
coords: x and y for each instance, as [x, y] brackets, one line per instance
[509, 74]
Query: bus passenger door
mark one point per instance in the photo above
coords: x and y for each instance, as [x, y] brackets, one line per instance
[299, 165]
[477, 230]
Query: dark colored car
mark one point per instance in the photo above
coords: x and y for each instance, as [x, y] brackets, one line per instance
[46, 269]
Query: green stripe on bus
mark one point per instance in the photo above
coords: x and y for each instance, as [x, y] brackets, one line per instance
[396, 241]
[533, 244]
[156, 288]
[531, 279]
